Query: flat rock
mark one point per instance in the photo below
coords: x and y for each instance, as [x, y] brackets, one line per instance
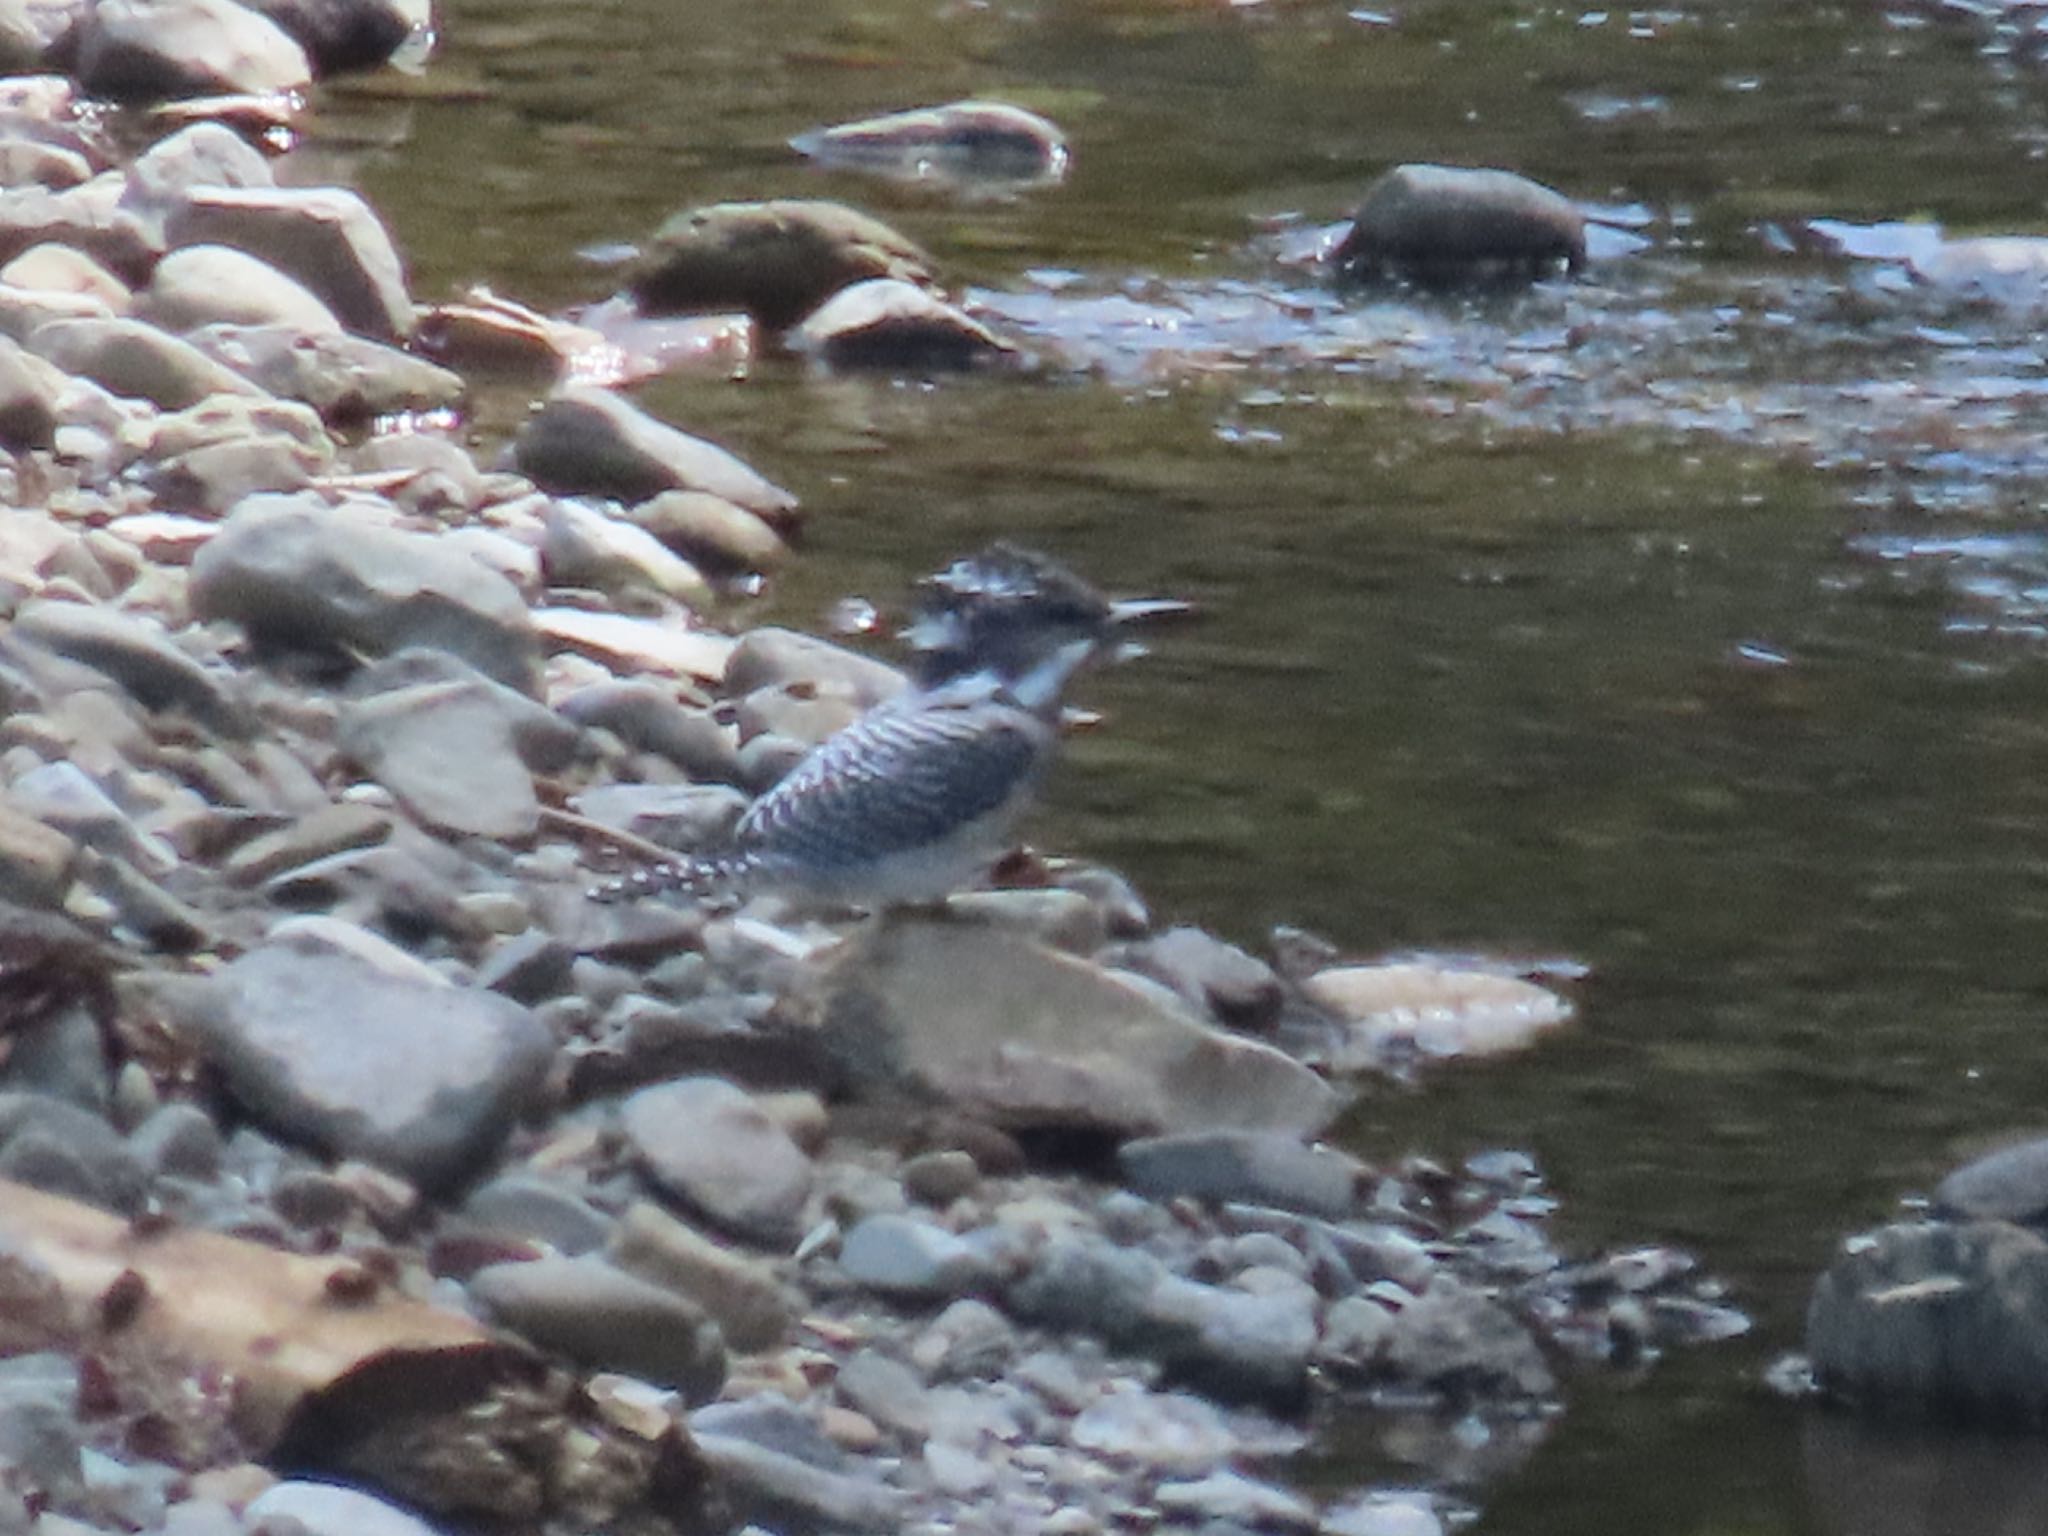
[1415, 1008]
[35, 860]
[1928, 1319]
[327, 238]
[1046, 1039]
[137, 653]
[1447, 224]
[911, 1260]
[784, 1493]
[299, 573]
[1232, 1497]
[130, 357]
[328, 1051]
[771, 657]
[200, 284]
[624, 643]
[587, 441]
[961, 141]
[1256, 1167]
[778, 261]
[710, 1145]
[449, 753]
[886, 323]
[605, 1319]
[202, 155]
[711, 531]
[345, 378]
[585, 548]
[156, 48]
[2010, 1184]
[1215, 977]
[738, 1292]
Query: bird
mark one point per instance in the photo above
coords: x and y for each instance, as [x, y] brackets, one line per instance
[919, 795]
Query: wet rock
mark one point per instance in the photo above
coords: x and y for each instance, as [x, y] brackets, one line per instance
[155, 48]
[769, 657]
[885, 323]
[1236, 1345]
[1435, 224]
[740, 1294]
[605, 1319]
[340, 35]
[585, 548]
[711, 531]
[789, 1495]
[1231, 1497]
[777, 260]
[589, 441]
[1211, 975]
[2010, 1184]
[344, 378]
[1924, 1319]
[30, 392]
[960, 141]
[1024, 1046]
[1455, 1339]
[131, 358]
[137, 654]
[331, 1509]
[910, 1260]
[449, 752]
[2008, 270]
[1416, 1008]
[326, 238]
[1170, 1431]
[331, 1052]
[59, 1147]
[1261, 1168]
[710, 1145]
[298, 573]
[200, 284]
[1385, 1514]
[33, 32]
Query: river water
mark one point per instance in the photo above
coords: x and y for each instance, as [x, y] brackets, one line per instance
[1687, 621]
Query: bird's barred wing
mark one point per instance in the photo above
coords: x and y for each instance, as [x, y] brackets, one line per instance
[895, 781]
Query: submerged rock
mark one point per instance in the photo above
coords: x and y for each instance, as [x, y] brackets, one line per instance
[960, 141]
[1414, 1008]
[886, 323]
[778, 261]
[1438, 224]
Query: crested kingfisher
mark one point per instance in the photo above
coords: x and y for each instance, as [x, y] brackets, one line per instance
[919, 795]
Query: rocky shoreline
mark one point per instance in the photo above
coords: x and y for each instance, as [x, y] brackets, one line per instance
[360, 1172]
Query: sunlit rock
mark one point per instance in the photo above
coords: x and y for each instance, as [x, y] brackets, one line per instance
[987, 141]
[199, 284]
[1413, 1008]
[1438, 224]
[885, 323]
[148, 48]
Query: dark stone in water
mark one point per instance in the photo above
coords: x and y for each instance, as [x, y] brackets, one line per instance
[1439, 225]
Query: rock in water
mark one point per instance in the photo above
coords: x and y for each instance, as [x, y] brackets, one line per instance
[960, 141]
[1042, 1039]
[778, 261]
[1441, 225]
[885, 323]
[589, 441]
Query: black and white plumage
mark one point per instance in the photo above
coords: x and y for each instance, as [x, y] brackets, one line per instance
[921, 794]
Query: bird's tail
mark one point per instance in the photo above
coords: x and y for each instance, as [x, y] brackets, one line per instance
[690, 876]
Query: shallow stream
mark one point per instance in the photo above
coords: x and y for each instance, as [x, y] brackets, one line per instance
[1689, 621]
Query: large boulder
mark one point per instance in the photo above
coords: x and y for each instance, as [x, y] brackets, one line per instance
[1006, 1028]
[1441, 224]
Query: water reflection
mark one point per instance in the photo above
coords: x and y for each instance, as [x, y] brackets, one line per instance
[1887, 1480]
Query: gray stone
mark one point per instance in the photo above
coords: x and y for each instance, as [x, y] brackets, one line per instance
[969, 1339]
[528, 967]
[136, 653]
[1235, 1345]
[1230, 1496]
[776, 260]
[1926, 1319]
[203, 155]
[330, 1509]
[888, 324]
[57, 268]
[214, 477]
[1459, 1341]
[1356, 1330]
[63, 1056]
[793, 1497]
[332, 829]
[649, 718]
[202, 284]
[155, 48]
[30, 393]
[129, 357]
[67, 1150]
[710, 1145]
[740, 1294]
[323, 1048]
[1436, 224]
[1169, 1431]
[1213, 976]
[524, 1205]
[33, 32]
[1258, 1167]
[297, 572]
[959, 141]
[35, 860]
[327, 238]
[770, 657]
[589, 441]
[64, 796]
[1024, 1046]
[41, 1439]
[674, 815]
[1385, 1514]
[940, 1178]
[2010, 1184]
[605, 1319]
[910, 1260]
[345, 378]
[584, 548]
[178, 1139]
[448, 752]
[887, 1391]
[25, 161]
[711, 531]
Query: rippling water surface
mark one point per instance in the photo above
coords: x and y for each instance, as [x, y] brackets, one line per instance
[1688, 621]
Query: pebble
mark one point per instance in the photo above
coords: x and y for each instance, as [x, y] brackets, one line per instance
[910, 1260]
[741, 1294]
[710, 1145]
[605, 1319]
[1256, 1167]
